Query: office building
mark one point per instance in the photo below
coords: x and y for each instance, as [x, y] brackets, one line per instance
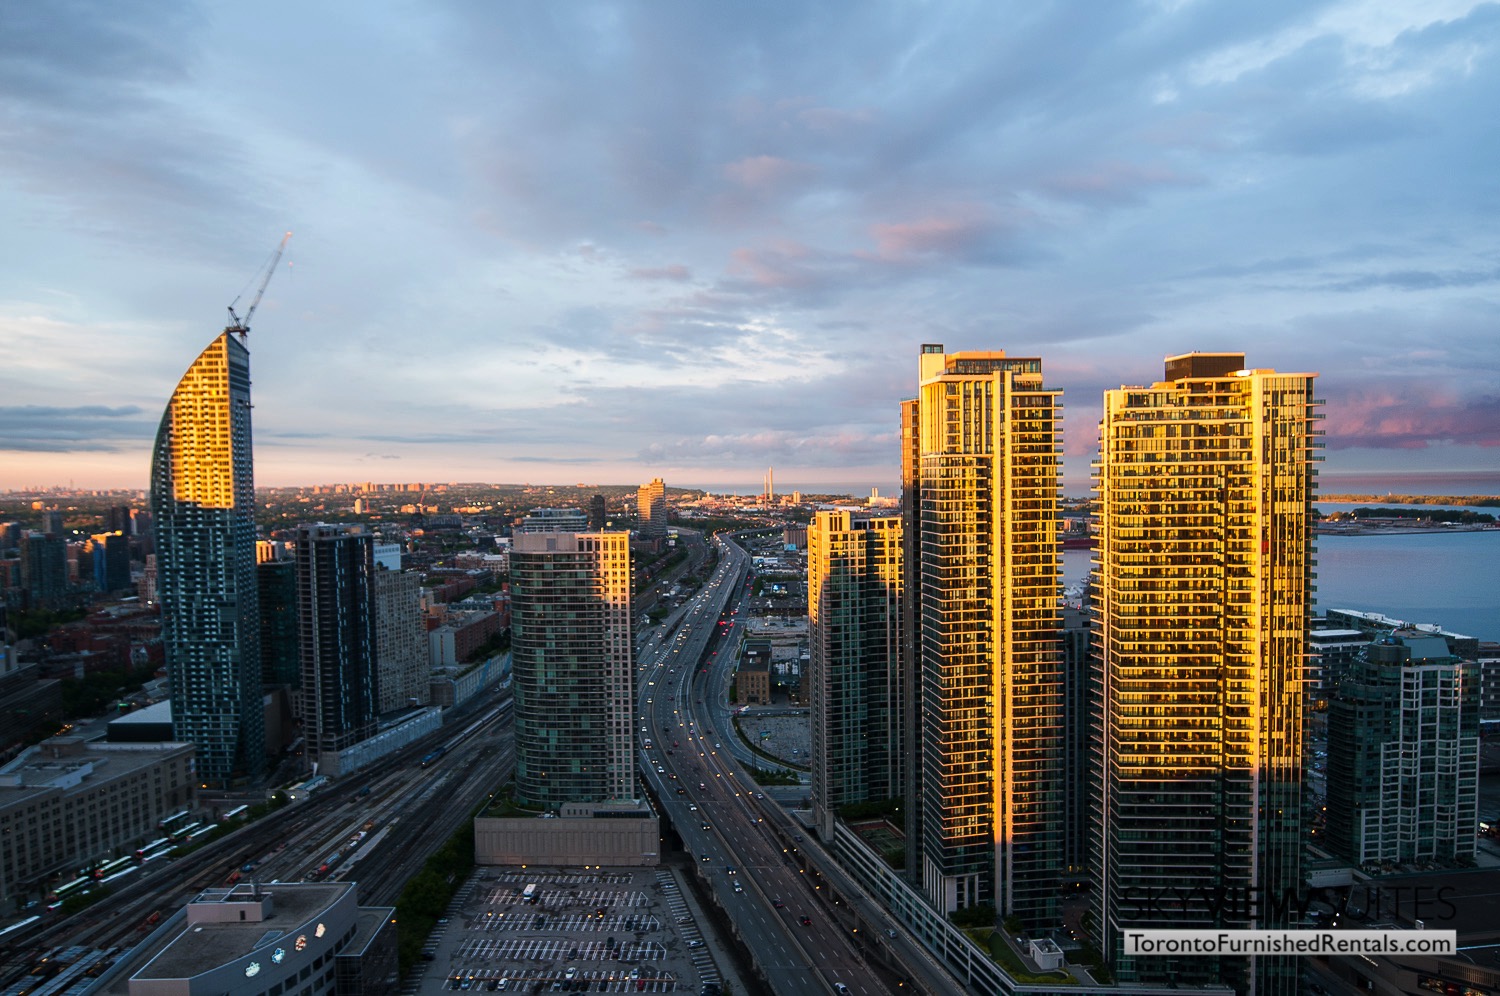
[336, 623]
[259, 939]
[981, 468]
[598, 513]
[1403, 755]
[1203, 575]
[110, 561]
[203, 507]
[651, 509]
[65, 803]
[854, 592]
[572, 664]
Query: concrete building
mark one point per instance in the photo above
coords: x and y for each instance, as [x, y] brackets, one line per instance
[618, 835]
[203, 505]
[400, 641]
[65, 803]
[554, 520]
[573, 668]
[281, 939]
[651, 510]
[981, 474]
[336, 628]
[1204, 572]
[854, 685]
[1403, 755]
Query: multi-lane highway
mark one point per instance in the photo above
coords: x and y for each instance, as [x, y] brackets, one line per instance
[748, 849]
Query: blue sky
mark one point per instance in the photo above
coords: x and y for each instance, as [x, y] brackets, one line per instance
[604, 242]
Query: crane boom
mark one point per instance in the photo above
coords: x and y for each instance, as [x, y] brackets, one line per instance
[241, 326]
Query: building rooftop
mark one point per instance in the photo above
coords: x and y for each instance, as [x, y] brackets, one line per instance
[273, 911]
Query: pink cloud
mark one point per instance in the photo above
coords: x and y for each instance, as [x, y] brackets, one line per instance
[784, 265]
[1410, 417]
[1115, 181]
[765, 173]
[930, 236]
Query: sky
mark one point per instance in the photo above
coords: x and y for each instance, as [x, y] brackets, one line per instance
[600, 242]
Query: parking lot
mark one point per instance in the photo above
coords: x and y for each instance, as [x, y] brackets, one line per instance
[564, 930]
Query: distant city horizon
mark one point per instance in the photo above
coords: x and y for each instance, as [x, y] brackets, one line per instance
[1460, 483]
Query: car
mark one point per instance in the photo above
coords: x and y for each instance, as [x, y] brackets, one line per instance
[778, 904]
[707, 827]
[695, 944]
[705, 857]
[841, 989]
[805, 920]
[738, 887]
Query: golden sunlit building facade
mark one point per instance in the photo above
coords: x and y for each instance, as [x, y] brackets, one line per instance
[981, 470]
[854, 614]
[1202, 596]
[203, 504]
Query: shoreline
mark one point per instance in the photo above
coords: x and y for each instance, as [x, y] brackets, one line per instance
[1340, 529]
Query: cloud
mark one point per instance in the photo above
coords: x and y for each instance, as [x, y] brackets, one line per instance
[1409, 416]
[766, 174]
[674, 271]
[46, 429]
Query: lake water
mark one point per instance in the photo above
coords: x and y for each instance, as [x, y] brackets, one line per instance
[1452, 579]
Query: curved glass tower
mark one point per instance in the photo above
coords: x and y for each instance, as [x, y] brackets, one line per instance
[203, 501]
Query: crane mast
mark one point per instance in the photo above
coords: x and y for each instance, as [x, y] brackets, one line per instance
[241, 326]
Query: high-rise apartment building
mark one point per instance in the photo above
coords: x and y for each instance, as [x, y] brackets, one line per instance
[1202, 605]
[1403, 754]
[336, 623]
[400, 640]
[44, 570]
[854, 595]
[572, 663]
[651, 509]
[981, 467]
[203, 505]
[280, 636]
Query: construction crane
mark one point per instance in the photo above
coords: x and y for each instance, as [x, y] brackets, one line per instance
[241, 326]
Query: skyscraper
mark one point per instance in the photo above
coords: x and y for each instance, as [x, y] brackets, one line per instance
[110, 563]
[1403, 754]
[400, 640]
[1204, 576]
[981, 464]
[573, 676]
[854, 595]
[203, 504]
[336, 624]
[651, 509]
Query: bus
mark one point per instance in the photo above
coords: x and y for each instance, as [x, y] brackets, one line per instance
[234, 813]
[74, 888]
[185, 831]
[176, 819]
[122, 873]
[150, 850]
[110, 867]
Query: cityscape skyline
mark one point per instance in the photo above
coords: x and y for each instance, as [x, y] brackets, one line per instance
[698, 194]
